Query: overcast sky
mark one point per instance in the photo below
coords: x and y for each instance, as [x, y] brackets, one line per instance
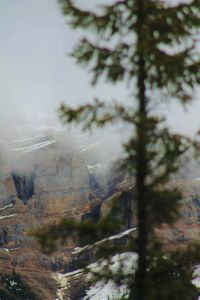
[36, 74]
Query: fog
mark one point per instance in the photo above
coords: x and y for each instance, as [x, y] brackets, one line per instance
[36, 73]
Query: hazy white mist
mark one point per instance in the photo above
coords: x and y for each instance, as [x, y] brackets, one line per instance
[36, 74]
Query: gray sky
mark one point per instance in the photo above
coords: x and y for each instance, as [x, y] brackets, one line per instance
[36, 75]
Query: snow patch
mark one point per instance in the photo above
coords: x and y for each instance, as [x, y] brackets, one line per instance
[125, 263]
[90, 167]
[7, 216]
[197, 179]
[34, 147]
[196, 275]
[113, 237]
[5, 207]
[10, 249]
[84, 149]
[28, 139]
[106, 290]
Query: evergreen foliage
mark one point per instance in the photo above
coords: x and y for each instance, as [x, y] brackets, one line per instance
[14, 287]
[152, 46]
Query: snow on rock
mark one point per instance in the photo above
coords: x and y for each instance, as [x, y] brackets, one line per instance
[122, 263]
[113, 237]
[5, 249]
[61, 277]
[125, 263]
[34, 146]
[7, 216]
[197, 179]
[87, 148]
[34, 136]
[106, 290]
[62, 286]
[196, 275]
[90, 167]
[5, 207]
[29, 139]
[196, 281]
[62, 282]
[10, 249]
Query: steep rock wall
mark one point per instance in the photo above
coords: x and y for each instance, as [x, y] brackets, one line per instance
[49, 183]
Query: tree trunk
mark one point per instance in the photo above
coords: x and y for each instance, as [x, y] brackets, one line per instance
[141, 165]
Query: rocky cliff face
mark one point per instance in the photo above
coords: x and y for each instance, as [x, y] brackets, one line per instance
[45, 180]
[46, 175]
[43, 177]
[187, 227]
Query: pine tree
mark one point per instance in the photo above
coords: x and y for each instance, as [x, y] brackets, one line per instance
[156, 49]
[151, 45]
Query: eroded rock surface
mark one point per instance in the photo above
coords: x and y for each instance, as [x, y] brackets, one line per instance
[43, 177]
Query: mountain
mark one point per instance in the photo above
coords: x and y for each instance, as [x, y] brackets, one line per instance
[47, 173]
[43, 177]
